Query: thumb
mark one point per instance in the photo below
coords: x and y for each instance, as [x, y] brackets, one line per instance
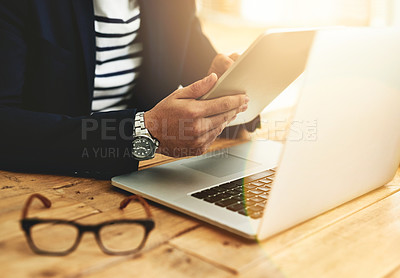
[199, 88]
[234, 56]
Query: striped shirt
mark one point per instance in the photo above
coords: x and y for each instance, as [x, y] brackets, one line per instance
[118, 53]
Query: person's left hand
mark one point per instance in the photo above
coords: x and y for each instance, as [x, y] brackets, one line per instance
[222, 63]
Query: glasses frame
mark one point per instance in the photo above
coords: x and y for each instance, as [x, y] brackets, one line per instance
[27, 223]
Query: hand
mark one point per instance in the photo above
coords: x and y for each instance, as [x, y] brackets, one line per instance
[186, 126]
[222, 63]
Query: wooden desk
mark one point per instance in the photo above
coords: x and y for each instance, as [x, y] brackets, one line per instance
[358, 239]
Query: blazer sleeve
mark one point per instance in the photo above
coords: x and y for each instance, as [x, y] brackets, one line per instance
[199, 54]
[95, 146]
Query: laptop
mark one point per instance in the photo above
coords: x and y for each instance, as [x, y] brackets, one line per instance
[344, 141]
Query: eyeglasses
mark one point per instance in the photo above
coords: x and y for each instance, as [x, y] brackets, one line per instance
[56, 237]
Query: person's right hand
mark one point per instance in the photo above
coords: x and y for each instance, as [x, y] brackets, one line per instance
[186, 126]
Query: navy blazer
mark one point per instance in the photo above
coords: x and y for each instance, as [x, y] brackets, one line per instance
[47, 66]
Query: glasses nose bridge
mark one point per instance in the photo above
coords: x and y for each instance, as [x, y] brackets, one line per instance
[88, 229]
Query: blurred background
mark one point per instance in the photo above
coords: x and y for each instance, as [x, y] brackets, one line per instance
[233, 24]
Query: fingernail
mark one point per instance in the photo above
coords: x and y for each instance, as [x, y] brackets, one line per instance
[244, 107]
[246, 99]
[209, 78]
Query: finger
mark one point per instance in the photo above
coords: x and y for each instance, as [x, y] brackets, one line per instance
[234, 56]
[221, 64]
[221, 105]
[204, 149]
[208, 138]
[199, 88]
[224, 63]
[207, 124]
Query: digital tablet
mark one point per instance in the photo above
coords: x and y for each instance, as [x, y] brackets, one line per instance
[266, 69]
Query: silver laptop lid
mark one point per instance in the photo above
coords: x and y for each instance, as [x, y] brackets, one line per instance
[351, 95]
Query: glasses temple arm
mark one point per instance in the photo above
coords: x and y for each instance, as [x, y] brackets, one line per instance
[125, 202]
[46, 202]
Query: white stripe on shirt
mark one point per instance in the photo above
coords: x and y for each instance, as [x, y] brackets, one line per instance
[108, 55]
[122, 65]
[118, 53]
[114, 28]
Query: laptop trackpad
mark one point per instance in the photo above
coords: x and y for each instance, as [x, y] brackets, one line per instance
[221, 165]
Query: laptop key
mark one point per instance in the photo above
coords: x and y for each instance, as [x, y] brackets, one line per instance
[262, 204]
[249, 194]
[213, 199]
[226, 202]
[236, 207]
[250, 186]
[229, 185]
[235, 191]
[200, 195]
[238, 198]
[257, 199]
[256, 192]
[220, 189]
[256, 215]
[212, 191]
[250, 203]
[224, 196]
[241, 195]
[266, 181]
[254, 209]
[264, 196]
[256, 183]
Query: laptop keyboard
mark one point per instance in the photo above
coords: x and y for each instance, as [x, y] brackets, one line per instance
[247, 196]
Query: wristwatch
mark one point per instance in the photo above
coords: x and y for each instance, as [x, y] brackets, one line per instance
[144, 145]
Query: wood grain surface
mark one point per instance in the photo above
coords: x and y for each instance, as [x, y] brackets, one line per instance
[358, 239]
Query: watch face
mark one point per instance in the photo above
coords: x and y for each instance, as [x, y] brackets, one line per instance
[142, 147]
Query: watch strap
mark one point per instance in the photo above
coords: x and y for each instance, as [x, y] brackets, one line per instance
[140, 128]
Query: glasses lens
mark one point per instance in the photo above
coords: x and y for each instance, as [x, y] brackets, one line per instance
[122, 237]
[54, 237]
